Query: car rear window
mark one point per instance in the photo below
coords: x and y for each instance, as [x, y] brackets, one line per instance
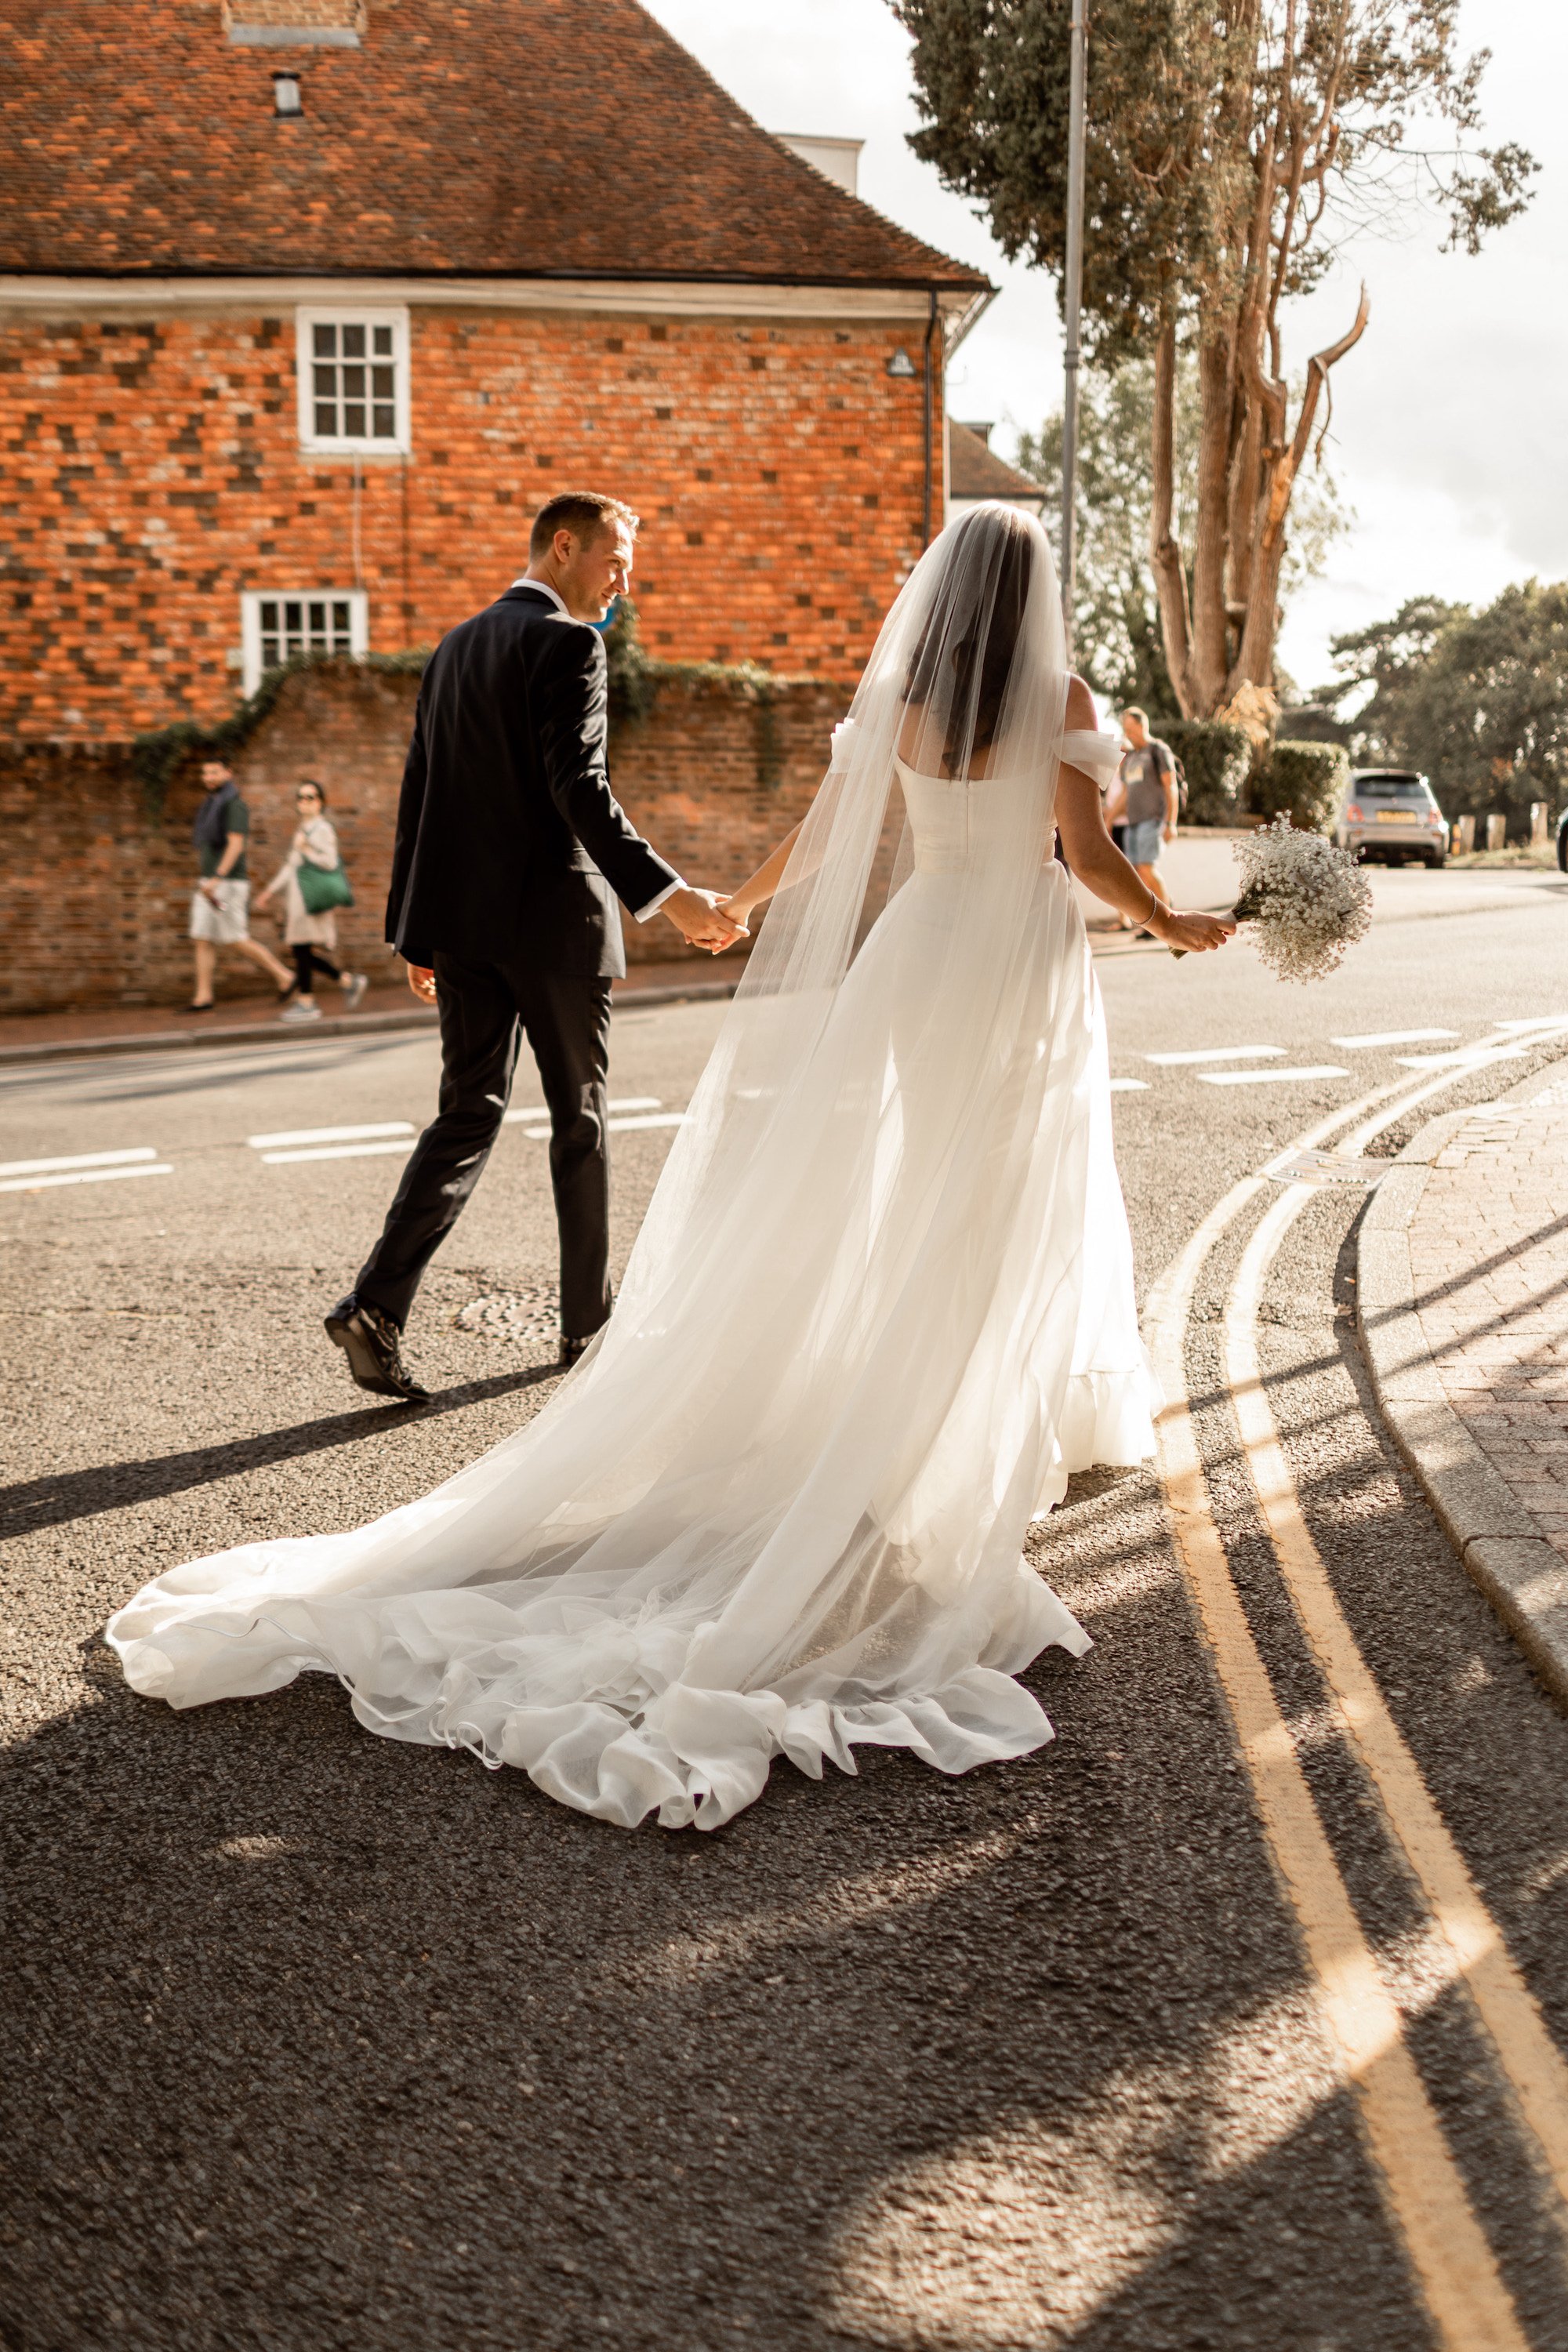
[1391, 788]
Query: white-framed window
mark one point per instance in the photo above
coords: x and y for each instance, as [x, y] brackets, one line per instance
[353, 379]
[276, 624]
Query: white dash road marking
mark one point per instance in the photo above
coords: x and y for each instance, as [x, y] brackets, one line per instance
[291, 1135]
[1217, 1054]
[617, 1126]
[1370, 1037]
[631, 1102]
[1538, 1021]
[338, 1151]
[79, 1160]
[1128, 1086]
[1271, 1078]
[85, 1176]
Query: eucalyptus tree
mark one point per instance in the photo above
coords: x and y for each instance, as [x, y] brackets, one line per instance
[1234, 146]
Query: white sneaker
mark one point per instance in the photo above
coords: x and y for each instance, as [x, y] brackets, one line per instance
[354, 986]
[304, 1008]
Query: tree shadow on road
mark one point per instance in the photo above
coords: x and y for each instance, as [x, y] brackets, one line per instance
[70, 1495]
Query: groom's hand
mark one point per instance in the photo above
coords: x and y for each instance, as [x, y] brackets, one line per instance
[701, 920]
[423, 982]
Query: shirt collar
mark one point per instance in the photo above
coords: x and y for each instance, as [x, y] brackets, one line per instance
[544, 588]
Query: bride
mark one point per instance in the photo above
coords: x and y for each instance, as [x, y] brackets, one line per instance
[880, 1306]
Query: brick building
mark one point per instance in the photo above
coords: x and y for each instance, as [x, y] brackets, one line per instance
[305, 305]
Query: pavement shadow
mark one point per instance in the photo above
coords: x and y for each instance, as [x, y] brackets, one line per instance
[70, 1495]
[323, 2041]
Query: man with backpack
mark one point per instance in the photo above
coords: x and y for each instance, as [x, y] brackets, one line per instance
[1147, 798]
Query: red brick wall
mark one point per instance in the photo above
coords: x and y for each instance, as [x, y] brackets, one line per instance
[94, 896]
[149, 470]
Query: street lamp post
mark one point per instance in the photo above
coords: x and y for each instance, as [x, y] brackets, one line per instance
[1072, 295]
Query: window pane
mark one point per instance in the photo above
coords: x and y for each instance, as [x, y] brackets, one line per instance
[381, 383]
[291, 619]
[382, 343]
[325, 342]
[386, 426]
[353, 383]
[340, 631]
[326, 382]
[353, 343]
[271, 655]
[269, 616]
[353, 422]
[326, 420]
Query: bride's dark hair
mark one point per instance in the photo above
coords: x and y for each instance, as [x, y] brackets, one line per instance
[964, 657]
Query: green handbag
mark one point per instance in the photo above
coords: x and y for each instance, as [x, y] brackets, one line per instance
[322, 888]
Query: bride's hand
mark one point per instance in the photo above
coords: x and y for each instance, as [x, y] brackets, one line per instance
[1190, 934]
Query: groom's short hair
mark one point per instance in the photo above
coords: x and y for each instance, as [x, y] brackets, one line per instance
[582, 512]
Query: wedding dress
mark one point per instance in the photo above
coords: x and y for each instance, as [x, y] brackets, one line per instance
[880, 1306]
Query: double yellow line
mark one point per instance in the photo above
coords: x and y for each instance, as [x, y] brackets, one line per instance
[1424, 2191]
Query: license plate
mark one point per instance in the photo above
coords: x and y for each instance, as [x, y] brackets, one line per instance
[1397, 816]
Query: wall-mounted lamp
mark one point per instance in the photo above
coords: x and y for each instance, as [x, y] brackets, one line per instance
[901, 365]
[285, 97]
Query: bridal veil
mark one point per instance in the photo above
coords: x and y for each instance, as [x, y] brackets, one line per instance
[880, 1306]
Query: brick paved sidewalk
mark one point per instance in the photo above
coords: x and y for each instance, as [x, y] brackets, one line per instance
[1488, 1261]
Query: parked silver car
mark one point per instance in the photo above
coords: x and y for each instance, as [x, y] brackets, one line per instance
[1389, 814]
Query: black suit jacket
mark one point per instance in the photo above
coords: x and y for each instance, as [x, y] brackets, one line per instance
[510, 846]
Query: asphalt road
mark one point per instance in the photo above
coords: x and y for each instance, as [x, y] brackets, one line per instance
[316, 2041]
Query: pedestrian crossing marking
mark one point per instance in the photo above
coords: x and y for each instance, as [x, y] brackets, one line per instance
[78, 1160]
[1272, 1077]
[1217, 1054]
[292, 1135]
[85, 1176]
[338, 1151]
[1369, 1037]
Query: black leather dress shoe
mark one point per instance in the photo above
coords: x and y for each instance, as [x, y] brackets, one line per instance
[570, 1349]
[371, 1341]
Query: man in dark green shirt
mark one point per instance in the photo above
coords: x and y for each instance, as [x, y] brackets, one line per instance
[220, 902]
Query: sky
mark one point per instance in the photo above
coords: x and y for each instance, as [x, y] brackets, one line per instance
[1448, 417]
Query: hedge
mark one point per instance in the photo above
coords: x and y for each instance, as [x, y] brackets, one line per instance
[1216, 758]
[1304, 782]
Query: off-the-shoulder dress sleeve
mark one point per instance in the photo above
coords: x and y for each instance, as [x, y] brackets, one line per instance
[1098, 755]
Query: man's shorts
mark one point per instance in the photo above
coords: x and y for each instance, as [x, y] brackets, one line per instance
[1144, 840]
[225, 923]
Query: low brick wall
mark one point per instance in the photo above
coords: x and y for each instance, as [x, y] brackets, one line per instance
[95, 891]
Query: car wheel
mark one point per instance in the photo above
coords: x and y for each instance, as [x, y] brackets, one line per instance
[1434, 859]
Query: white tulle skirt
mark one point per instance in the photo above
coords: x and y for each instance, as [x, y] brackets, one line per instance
[780, 1507]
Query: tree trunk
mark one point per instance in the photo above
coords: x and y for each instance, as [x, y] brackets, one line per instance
[1211, 644]
[1164, 548]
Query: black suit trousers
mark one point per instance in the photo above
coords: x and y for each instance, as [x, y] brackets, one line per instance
[486, 1010]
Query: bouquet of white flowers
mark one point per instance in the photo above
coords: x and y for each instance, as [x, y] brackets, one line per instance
[1307, 898]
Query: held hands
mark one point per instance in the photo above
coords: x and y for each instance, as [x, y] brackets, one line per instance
[702, 921]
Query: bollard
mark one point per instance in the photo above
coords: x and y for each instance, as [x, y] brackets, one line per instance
[1466, 830]
[1497, 831]
[1537, 824]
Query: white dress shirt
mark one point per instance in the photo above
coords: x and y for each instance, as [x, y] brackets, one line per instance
[642, 914]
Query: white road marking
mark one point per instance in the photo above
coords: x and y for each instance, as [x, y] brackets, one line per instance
[1128, 1086]
[616, 1126]
[81, 1159]
[85, 1176]
[1271, 1078]
[1391, 1037]
[289, 1135]
[1540, 1021]
[1217, 1054]
[338, 1151]
[1463, 1057]
[631, 1102]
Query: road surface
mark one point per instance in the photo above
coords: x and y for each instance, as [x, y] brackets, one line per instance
[1176, 2034]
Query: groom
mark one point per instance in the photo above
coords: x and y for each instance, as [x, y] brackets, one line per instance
[511, 852]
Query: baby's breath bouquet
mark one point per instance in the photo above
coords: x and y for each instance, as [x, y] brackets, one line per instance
[1306, 900]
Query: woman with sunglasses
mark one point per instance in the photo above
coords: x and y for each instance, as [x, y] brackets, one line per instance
[310, 938]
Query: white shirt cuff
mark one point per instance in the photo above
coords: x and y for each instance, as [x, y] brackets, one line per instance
[645, 914]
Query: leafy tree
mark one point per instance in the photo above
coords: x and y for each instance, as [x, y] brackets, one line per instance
[1233, 145]
[1478, 701]
[1116, 624]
